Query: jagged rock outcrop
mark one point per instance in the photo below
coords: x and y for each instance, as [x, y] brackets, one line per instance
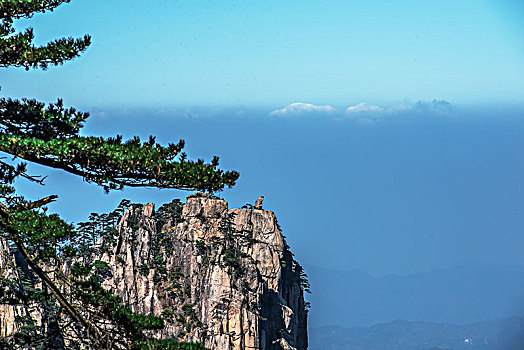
[222, 277]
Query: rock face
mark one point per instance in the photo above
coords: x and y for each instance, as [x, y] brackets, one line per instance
[222, 277]
[7, 292]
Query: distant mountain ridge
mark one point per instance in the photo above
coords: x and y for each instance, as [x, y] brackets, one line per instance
[507, 334]
[464, 294]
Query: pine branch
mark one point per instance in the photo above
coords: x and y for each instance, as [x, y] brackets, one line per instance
[30, 117]
[18, 51]
[39, 203]
[26, 8]
[8, 173]
[114, 165]
[71, 310]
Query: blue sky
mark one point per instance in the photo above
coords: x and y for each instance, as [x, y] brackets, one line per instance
[272, 53]
[403, 150]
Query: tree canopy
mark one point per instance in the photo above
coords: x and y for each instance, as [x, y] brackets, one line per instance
[50, 135]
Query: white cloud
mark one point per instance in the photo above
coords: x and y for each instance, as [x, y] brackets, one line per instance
[368, 112]
[299, 108]
[371, 112]
[363, 107]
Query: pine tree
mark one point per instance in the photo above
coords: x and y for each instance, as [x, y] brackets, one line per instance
[49, 134]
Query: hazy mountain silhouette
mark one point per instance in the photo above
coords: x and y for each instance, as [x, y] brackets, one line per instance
[507, 334]
[464, 294]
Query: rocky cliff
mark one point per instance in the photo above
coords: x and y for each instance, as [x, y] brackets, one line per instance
[222, 277]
